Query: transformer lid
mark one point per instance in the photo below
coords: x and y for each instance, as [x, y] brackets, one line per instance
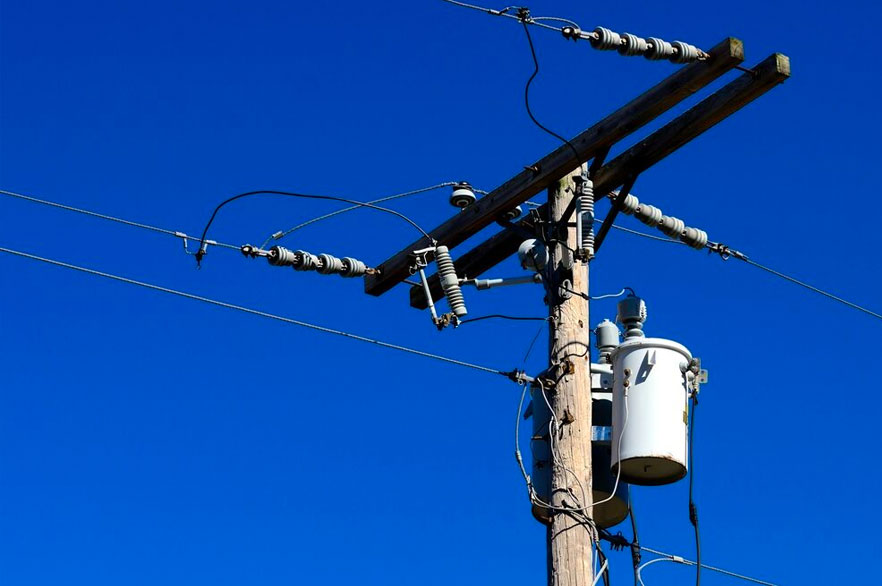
[636, 343]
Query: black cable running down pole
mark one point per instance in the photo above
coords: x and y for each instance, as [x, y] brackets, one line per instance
[693, 510]
[635, 542]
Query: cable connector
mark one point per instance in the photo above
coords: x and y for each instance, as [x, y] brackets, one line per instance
[724, 251]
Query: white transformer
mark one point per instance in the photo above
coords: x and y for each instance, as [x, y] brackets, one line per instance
[651, 381]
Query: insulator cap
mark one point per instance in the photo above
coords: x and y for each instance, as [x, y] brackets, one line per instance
[513, 213]
[606, 337]
[685, 53]
[463, 195]
[671, 226]
[305, 261]
[533, 255]
[694, 237]
[606, 40]
[659, 49]
[633, 45]
[649, 215]
[630, 205]
[279, 256]
[632, 314]
[352, 267]
[328, 264]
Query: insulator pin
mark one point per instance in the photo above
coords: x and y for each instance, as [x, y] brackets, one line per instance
[659, 49]
[671, 226]
[606, 40]
[633, 45]
[694, 237]
[449, 281]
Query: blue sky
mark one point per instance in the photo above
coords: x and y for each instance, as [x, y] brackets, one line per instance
[148, 439]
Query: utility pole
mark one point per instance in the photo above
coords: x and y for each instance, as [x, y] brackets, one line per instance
[569, 540]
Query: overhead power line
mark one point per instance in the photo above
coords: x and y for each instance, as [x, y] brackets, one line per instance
[748, 260]
[682, 560]
[251, 311]
[108, 217]
[281, 234]
[200, 254]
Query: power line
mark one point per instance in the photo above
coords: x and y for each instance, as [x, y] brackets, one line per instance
[110, 218]
[505, 13]
[772, 271]
[200, 254]
[682, 560]
[282, 234]
[811, 288]
[524, 17]
[253, 311]
[500, 316]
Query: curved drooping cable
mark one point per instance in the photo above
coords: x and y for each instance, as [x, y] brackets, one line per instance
[200, 254]
[282, 234]
[527, 96]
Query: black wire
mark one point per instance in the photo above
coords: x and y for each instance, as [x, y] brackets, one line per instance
[496, 315]
[693, 510]
[527, 93]
[635, 542]
[602, 559]
[201, 252]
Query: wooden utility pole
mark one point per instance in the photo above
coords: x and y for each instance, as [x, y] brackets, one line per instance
[569, 540]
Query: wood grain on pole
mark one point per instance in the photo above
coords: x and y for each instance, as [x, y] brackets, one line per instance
[631, 117]
[569, 541]
[771, 72]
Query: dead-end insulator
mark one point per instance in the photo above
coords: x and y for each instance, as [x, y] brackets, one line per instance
[325, 264]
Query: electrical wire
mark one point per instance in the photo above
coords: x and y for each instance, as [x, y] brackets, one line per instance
[281, 234]
[772, 271]
[649, 563]
[635, 539]
[499, 316]
[251, 311]
[693, 510]
[811, 288]
[108, 217]
[200, 254]
[504, 12]
[684, 561]
[527, 96]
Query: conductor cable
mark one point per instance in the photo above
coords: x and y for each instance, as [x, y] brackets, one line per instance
[251, 311]
[200, 254]
[282, 234]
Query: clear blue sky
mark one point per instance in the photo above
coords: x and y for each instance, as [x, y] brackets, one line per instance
[146, 439]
